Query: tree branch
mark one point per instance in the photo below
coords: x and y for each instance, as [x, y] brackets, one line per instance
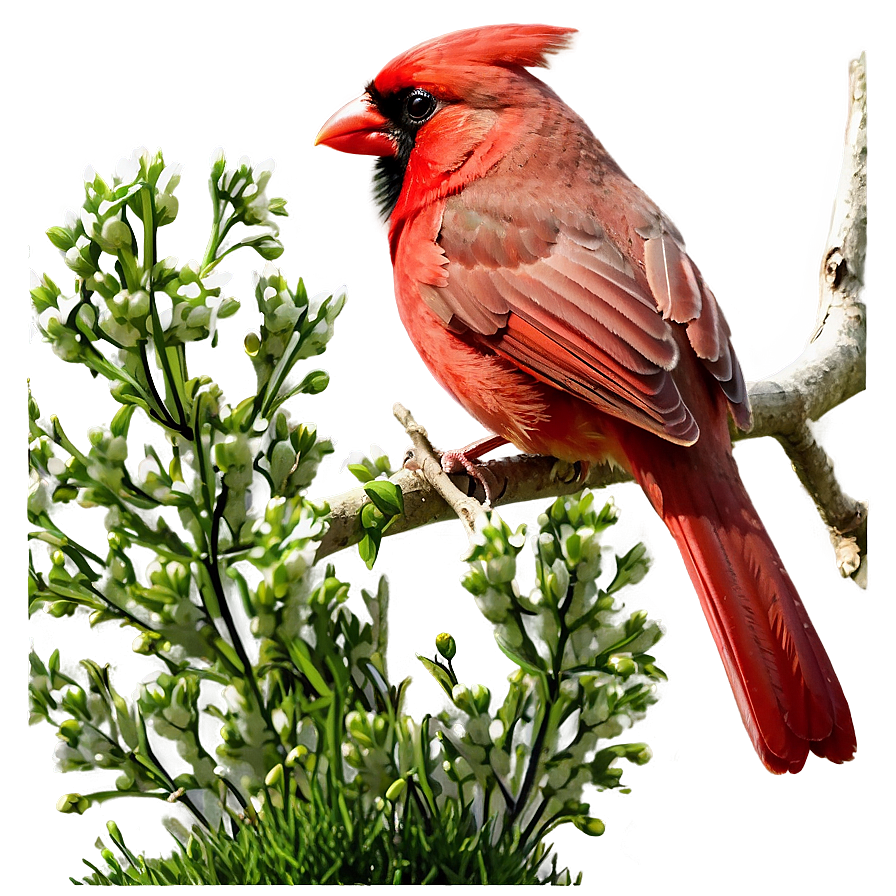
[832, 368]
[828, 372]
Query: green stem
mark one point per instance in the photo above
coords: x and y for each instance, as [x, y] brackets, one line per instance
[176, 368]
[421, 808]
[128, 265]
[214, 240]
[149, 230]
[136, 493]
[203, 458]
[180, 425]
[164, 417]
[505, 793]
[214, 572]
[553, 692]
[73, 552]
[552, 688]
[280, 372]
[97, 362]
[420, 757]
[536, 817]
[157, 773]
[137, 623]
[335, 719]
[239, 797]
[173, 386]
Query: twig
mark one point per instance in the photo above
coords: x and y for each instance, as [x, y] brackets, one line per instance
[829, 371]
[466, 508]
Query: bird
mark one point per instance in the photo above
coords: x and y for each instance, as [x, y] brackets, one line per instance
[557, 303]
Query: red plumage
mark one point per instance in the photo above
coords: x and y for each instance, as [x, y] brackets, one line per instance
[557, 303]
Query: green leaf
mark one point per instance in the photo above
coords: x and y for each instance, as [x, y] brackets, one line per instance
[630, 568]
[122, 420]
[360, 472]
[653, 671]
[372, 517]
[244, 412]
[229, 654]
[526, 660]
[386, 495]
[439, 673]
[300, 654]
[369, 546]
[312, 707]
[44, 298]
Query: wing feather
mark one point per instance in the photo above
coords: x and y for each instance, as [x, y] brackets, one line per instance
[555, 294]
[652, 402]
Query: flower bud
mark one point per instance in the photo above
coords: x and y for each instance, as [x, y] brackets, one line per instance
[72, 803]
[500, 570]
[169, 178]
[262, 174]
[65, 493]
[218, 164]
[295, 755]
[593, 827]
[463, 698]
[70, 732]
[481, 698]
[145, 643]
[446, 645]
[274, 778]
[471, 699]
[115, 235]
[252, 344]
[232, 737]
[75, 699]
[396, 789]
[61, 237]
[622, 665]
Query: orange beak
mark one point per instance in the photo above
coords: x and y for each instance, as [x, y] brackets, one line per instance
[357, 127]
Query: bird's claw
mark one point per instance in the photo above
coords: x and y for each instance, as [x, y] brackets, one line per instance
[461, 462]
[576, 472]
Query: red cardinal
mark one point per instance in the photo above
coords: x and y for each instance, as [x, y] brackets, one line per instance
[555, 301]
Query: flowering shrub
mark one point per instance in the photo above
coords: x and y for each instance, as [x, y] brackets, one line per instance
[316, 773]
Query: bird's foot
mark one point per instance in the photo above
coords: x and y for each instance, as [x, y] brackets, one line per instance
[464, 461]
[568, 472]
[459, 462]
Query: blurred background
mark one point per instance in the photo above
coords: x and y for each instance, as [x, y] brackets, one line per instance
[731, 116]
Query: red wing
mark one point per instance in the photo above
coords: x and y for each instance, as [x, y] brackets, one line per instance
[554, 294]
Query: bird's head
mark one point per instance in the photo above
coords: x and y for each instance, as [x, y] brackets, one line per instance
[431, 113]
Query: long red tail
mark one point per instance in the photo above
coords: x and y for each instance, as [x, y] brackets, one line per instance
[788, 694]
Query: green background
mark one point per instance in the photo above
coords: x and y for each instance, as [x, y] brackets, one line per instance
[730, 115]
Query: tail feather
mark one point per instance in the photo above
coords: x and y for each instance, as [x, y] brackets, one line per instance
[785, 686]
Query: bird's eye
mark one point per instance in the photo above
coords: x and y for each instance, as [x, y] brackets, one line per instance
[419, 105]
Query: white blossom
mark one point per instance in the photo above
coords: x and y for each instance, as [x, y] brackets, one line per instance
[169, 176]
